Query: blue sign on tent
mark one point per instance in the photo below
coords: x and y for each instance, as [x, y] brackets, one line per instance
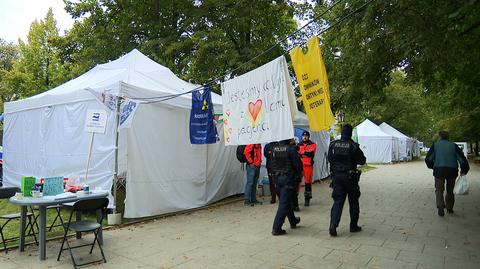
[202, 126]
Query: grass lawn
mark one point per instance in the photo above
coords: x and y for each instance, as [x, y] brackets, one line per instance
[11, 229]
[366, 168]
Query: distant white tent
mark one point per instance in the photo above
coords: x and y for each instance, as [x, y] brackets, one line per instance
[406, 144]
[417, 146]
[378, 146]
[464, 147]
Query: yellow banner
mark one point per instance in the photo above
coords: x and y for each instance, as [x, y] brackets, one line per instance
[312, 79]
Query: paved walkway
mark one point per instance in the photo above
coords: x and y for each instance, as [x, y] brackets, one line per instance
[400, 230]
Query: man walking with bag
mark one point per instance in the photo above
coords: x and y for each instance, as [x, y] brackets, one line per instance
[444, 157]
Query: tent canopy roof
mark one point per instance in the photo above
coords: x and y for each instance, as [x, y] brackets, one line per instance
[368, 128]
[134, 69]
[392, 131]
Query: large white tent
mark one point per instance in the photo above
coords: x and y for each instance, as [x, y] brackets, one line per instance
[378, 146]
[44, 136]
[406, 144]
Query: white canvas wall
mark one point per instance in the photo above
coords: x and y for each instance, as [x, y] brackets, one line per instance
[167, 174]
[321, 168]
[378, 146]
[376, 150]
[51, 141]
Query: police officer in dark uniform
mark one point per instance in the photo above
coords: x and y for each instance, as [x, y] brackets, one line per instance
[285, 163]
[344, 155]
[267, 153]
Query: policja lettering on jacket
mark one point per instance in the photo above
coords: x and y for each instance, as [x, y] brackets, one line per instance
[344, 155]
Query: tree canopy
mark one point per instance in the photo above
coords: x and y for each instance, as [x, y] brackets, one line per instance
[410, 63]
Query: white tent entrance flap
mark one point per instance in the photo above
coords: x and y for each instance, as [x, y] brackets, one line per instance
[378, 146]
[44, 136]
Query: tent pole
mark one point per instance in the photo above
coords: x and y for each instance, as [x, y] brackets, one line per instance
[115, 176]
[89, 157]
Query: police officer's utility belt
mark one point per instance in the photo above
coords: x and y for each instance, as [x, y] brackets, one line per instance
[352, 174]
[278, 174]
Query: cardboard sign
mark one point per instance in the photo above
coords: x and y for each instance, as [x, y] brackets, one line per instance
[96, 121]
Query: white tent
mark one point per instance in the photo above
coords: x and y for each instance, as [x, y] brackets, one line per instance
[378, 146]
[44, 136]
[406, 144]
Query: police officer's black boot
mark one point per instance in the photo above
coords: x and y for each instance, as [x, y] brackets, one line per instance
[332, 230]
[294, 225]
[296, 208]
[308, 194]
[355, 229]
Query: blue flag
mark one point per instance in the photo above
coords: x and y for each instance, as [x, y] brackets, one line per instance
[202, 126]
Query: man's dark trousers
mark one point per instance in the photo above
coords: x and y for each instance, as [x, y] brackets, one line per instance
[344, 186]
[440, 187]
[285, 193]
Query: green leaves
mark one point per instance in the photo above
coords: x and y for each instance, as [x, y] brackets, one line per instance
[434, 43]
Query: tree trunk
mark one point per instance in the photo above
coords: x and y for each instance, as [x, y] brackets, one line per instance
[476, 148]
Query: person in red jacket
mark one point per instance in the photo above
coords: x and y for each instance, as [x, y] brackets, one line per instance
[253, 154]
[307, 152]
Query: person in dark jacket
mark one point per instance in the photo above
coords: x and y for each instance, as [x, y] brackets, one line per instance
[285, 164]
[344, 155]
[444, 157]
[267, 153]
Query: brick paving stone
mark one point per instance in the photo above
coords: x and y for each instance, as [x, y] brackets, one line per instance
[366, 239]
[308, 261]
[348, 257]
[7, 264]
[404, 245]
[427, 240]
[380, 263]
[410, 256]
[339, 244]
[384, 252]
[281, 257]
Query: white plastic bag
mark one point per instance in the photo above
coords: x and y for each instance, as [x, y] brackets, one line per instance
[461, 186]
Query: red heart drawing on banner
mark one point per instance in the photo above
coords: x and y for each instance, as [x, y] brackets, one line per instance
[255, 108]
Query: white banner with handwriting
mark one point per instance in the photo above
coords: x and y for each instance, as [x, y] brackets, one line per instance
[258, 107]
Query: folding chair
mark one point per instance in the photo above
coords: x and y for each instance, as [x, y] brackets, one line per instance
[85, 226]
[6, 193]
[58, 209]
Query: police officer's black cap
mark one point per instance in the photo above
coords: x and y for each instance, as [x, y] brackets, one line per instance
[306, 133]
[347, 131]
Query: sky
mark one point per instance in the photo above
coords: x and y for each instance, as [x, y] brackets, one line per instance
[16, 16]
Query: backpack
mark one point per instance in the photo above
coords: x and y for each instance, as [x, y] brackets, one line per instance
[240, 154]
